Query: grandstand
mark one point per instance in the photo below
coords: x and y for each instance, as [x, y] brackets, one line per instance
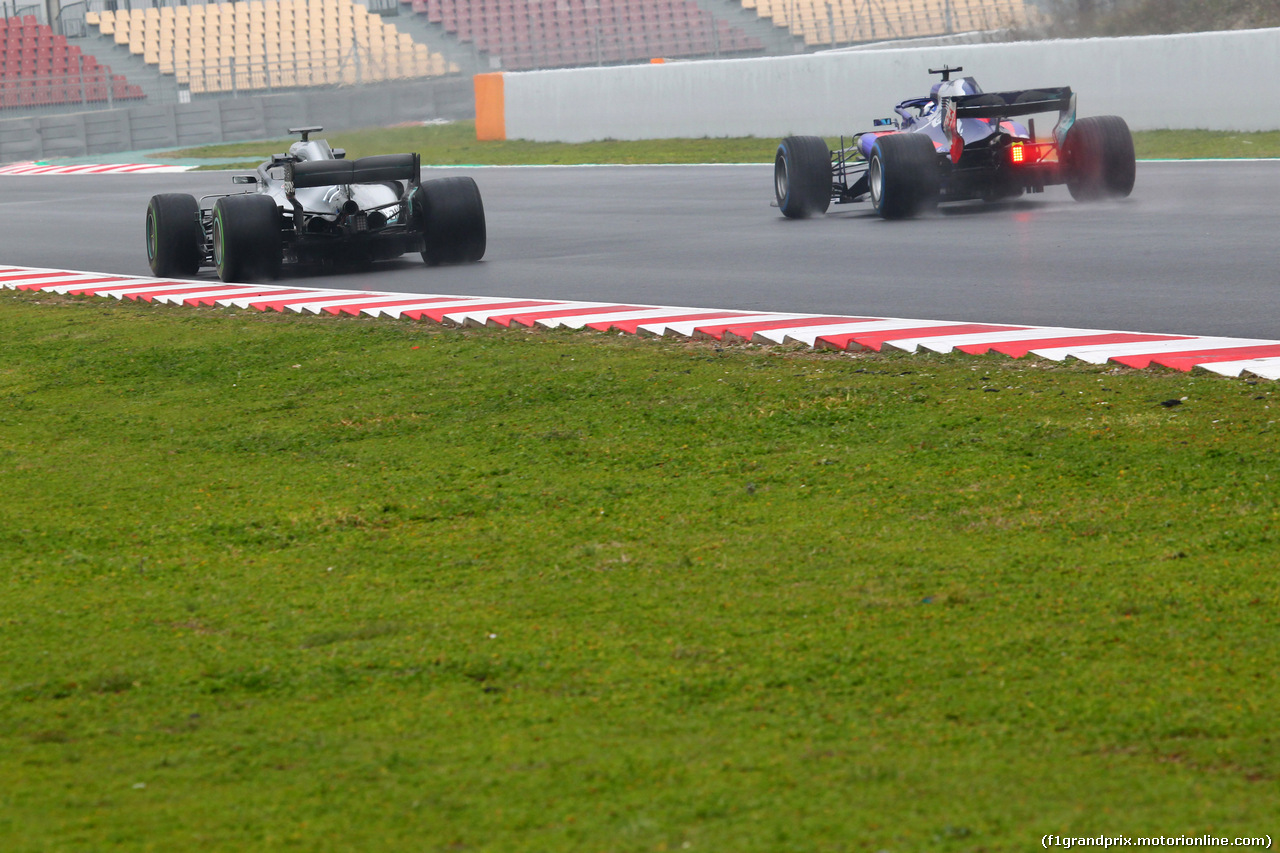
[268, 44]
[523, 34]
[39, 68]
[830, 22]
[214, 48]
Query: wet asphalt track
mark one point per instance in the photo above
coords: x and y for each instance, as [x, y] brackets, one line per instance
[1195, 250]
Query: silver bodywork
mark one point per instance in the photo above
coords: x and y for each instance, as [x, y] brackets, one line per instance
[313, 206]
[327, 202]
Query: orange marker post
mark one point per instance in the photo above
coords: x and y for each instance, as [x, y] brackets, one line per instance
[491, 107]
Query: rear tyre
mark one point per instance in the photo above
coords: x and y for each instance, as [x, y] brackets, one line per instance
[451, 214]
[1098, 159]
[246, 238]
[802, 176]
[175, 237]
[904, 174]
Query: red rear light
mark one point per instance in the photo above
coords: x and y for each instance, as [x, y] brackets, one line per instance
[1017, 154]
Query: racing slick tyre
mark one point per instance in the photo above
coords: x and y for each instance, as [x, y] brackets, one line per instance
[802, 176]
[1098, 158]
[175, 237]
[246, 237]
[904, 175]
[452, 219]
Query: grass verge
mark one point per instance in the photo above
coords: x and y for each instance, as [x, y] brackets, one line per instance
[1208, 144]
[278, 582]
[455, 145]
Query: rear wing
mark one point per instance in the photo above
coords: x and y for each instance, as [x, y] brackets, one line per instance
[301, 174]
[1002, 105]
[1012, 104]
[366, 170]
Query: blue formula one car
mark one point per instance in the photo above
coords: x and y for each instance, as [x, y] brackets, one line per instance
[958, 144]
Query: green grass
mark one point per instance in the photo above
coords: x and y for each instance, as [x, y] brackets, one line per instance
[289, 583]
[1193, 144]
[455, 145]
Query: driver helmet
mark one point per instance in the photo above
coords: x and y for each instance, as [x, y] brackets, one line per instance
[315, 149]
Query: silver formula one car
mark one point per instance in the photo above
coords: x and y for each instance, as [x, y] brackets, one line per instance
[312, 206]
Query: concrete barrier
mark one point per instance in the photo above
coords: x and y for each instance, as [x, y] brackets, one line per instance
[241, 118]
[151, 127]
[19, 139]
[1217, 81]
[198, 123]
[64, 136]
[208, 121]
[103, 132]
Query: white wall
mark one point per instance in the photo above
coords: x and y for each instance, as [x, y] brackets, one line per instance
[1219, 81]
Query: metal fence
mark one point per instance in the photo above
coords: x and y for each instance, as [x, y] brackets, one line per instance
[88, 86]
[70, 18]
[307, 68]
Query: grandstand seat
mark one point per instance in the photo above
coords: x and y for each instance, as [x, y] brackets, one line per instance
[845, 21]
[39, 68]
[339, 38]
